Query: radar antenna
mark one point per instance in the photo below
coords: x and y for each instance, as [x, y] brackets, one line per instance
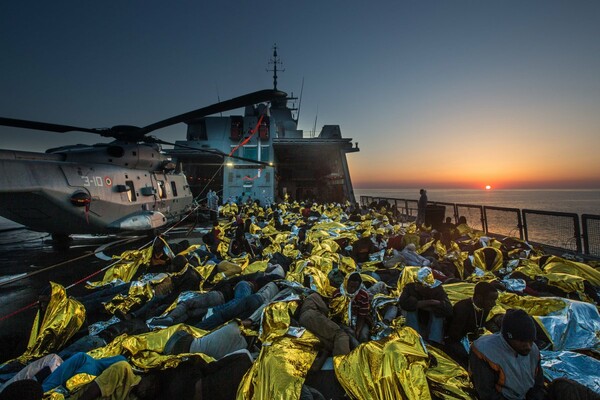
[275, 61]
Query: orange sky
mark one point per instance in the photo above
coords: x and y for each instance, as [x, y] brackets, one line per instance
[510, 143]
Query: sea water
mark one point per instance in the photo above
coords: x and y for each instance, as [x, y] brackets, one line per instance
[571, 201]
[551, 230]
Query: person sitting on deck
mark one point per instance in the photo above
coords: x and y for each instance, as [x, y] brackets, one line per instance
[446, 230]
[314, 316]
[426, 305]
[412, 258]
[506, 365]
[362, 248]
[213, 238]
[468, 320]
[359, 307]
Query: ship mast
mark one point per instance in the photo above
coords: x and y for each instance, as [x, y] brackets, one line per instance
[275, 61]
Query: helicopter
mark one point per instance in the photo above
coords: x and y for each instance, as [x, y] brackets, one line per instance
[127, 185]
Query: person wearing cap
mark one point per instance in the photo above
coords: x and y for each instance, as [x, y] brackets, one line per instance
[506, 365]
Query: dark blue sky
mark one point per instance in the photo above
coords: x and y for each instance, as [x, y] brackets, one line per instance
[445, 93]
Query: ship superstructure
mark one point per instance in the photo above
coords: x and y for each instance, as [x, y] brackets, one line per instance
[280, 159]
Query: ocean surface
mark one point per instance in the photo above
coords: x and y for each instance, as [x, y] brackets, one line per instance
[572, 201]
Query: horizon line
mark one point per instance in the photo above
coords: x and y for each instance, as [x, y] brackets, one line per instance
[359, 187]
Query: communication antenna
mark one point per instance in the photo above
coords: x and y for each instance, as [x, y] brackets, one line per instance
[300, 101]
[275, 62]
[315, 125]
[219, 99]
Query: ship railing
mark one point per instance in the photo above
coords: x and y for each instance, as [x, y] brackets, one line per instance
[556, 229]
[591, 233]
[553, 229]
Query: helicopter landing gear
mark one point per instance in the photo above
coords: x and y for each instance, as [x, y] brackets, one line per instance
[61, 241]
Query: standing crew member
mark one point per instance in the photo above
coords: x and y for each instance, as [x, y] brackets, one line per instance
[422, 206]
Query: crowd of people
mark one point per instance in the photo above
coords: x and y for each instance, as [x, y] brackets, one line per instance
[273, 296]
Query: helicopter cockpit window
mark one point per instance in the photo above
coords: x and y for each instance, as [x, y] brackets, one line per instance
[130, 191]
[174, 188]
[162, 193]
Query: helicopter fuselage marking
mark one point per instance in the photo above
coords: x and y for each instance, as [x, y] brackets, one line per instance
[93, 181]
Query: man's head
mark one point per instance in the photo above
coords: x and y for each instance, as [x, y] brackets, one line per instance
[518, 329]
[161, 253]
[354, 281]
[426, 278]
[178, 263]
[485, 295]
[422, 191]
[336, 278]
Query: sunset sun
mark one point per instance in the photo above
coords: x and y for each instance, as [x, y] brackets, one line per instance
[488, 187]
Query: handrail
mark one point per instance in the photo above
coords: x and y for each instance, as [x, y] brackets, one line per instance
[584, 239]
[586, 231]
[507, 209]
[573, 216]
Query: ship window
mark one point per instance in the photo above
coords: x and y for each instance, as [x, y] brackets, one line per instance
[251, 152]
[197, 131]
[130, 191]
[231, 177]
[263, 129]
[237, 128]
[265, 153]
[267, 177]
[174, 188]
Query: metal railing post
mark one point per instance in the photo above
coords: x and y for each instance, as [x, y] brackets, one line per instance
[577, 234]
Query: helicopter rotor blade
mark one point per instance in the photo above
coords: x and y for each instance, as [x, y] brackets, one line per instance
[44, 126]
[237, 102]
[135, 134]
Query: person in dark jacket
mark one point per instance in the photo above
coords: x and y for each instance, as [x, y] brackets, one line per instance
[422, 207]
[468, 320]
[426, 306]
